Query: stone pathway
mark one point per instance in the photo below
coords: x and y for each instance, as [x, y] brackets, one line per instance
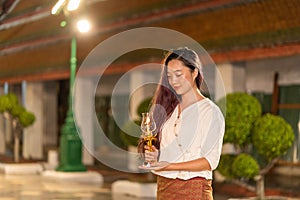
[37, 187]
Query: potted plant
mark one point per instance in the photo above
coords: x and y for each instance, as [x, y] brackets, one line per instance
[18, 116]
[259, 140]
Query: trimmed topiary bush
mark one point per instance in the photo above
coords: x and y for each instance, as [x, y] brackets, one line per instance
[26, 118]
[7, 102]
[17, 110]
[249, 132]
[241, 111]
[225, 165]
[245, 166]
[18, 116]
[272, 136]
[130, 133]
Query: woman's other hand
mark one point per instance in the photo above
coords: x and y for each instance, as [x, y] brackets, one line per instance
[151, 153]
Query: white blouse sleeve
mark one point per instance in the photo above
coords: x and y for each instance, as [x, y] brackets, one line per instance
[214, 132]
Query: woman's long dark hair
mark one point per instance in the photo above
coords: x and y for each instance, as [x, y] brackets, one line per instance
[165, 98]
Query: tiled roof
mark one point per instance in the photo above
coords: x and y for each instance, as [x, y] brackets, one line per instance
[245, 25]
[31, 41]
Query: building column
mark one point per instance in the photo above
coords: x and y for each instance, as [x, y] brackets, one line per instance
[142, 85]
[2, 135]
[83, 112]
[136, 82]
[141, 88]
[33, 135]
[2, 129]
[8, 134]
[50, 138]
[230, 77]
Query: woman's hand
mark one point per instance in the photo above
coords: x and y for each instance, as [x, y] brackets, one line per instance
[151, 153]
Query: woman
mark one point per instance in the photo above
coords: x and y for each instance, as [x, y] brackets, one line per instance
[190, 130]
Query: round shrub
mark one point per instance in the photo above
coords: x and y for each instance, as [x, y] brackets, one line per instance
[130, 133]
[236, 133]
[272, 136]
[7, 102]
[225, 165]
[17, 110]
[244, 166]
[241, 111]
[26, 118]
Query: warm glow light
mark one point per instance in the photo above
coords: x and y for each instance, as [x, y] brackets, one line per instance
[57, 7]
[83, 25]
[73, 5]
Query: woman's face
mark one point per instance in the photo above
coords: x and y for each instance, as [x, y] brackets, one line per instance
[180, 77]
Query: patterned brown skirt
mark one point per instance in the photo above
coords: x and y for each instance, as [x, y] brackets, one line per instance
[197, 188]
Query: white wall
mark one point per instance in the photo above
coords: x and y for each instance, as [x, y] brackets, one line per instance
[33, 135]
[229, 78]
[83, 113]
[260, 73]
[2, 129]
[135, 83]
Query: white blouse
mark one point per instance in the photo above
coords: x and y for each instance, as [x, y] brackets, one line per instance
[197, 132]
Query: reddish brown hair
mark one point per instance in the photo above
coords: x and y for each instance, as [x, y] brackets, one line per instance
[165, 98]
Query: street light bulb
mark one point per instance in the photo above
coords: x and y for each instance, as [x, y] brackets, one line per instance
[73, 5]
[63, 23]
[57, 7]
[83, 25]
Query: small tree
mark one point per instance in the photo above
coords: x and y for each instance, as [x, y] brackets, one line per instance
[19, 118]
[268, 135]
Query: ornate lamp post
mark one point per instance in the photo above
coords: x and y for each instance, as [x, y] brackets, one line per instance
[70, 148]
